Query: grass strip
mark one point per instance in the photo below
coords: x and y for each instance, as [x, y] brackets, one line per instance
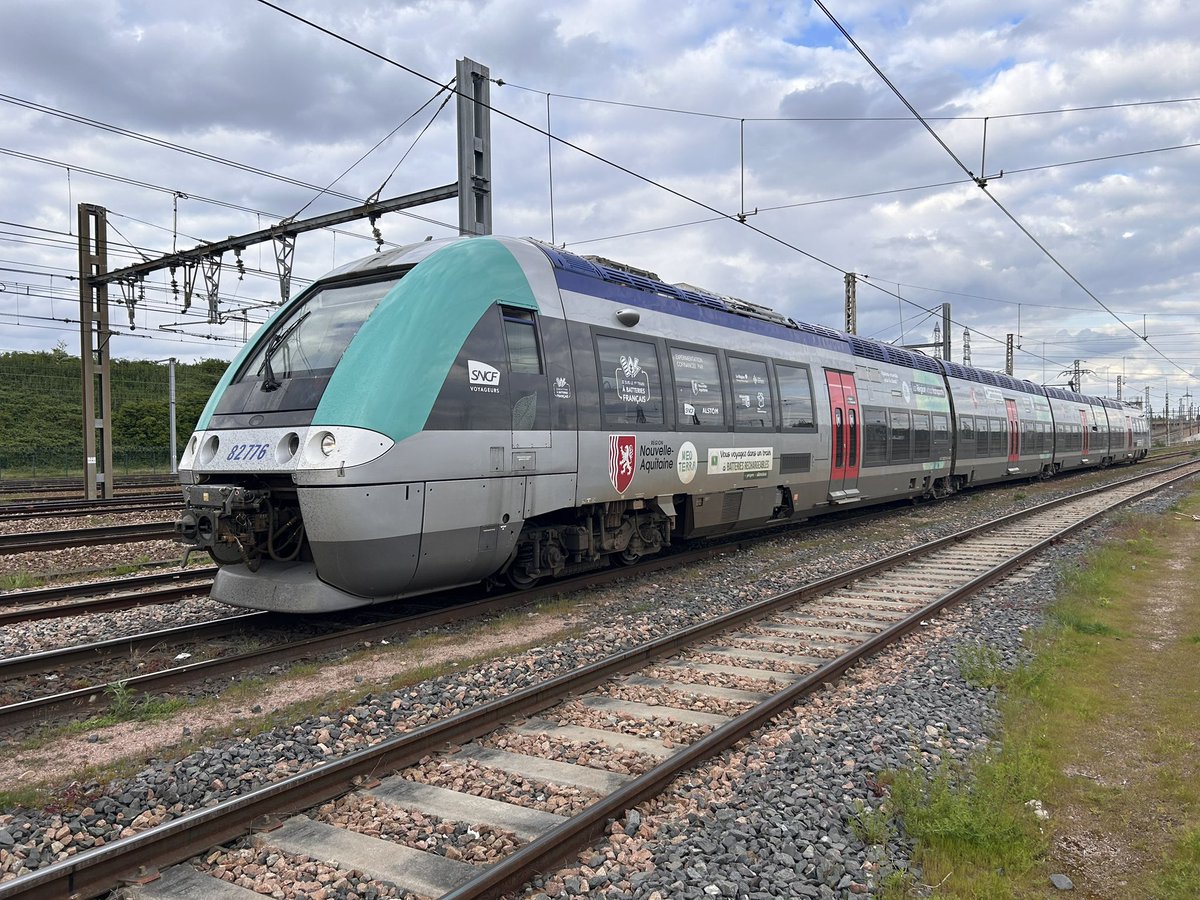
[1095, 771]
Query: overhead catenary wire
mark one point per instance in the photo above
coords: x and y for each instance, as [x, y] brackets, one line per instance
[715, 219]
[981, 181]
[197, 197]
[379, 144]
[740, 117]
[718, 217]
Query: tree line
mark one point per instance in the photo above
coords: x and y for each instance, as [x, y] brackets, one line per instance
[41, 403]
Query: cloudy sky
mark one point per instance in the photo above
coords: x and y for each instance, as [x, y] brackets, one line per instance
[191, 121]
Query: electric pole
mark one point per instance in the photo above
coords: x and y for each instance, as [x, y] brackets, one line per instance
[473, 190]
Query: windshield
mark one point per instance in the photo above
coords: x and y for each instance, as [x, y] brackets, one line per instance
[311, 339]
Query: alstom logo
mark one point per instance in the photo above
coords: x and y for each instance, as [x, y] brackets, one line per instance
[483, 377]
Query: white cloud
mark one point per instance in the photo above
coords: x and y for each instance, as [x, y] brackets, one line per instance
[243, 82]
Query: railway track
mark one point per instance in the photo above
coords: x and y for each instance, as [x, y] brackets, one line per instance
[103, 596]
[94, 697]
[170, 587]
[31, 542]
[19, 510]
[813, 634]
[10, 486]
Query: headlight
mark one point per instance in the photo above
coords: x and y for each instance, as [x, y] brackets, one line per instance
[328, 444]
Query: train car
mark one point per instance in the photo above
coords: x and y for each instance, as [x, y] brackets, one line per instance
[907, 423]
[1004, 425]
[483, 408]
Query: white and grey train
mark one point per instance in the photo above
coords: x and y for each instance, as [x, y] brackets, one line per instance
[487, 407]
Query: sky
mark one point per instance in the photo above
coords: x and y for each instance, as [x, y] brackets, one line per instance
[1034, 164]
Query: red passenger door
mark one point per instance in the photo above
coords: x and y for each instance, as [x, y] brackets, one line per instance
[1014, 434]
[845, 437]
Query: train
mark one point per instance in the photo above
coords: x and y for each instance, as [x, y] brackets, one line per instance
[493, 409]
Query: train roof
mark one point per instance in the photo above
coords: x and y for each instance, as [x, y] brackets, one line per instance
[697, 302]
[606, 270]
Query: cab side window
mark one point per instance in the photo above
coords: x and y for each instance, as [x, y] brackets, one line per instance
[520, 333]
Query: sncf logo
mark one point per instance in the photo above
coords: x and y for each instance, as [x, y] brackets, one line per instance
[482, 374]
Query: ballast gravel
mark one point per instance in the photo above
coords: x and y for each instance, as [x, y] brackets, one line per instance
[775, 817]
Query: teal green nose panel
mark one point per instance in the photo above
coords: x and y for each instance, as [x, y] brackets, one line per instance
[393, 369]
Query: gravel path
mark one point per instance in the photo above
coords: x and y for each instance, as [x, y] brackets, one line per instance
[773, 818]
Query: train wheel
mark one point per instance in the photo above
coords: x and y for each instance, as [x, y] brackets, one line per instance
[521, 579]
[628, 557]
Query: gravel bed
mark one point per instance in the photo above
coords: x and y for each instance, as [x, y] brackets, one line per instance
[791, 667]
[656, 728]
[462, 841]
[286, 876]
[494, 784]
[680, 699]
[39, 524]
[581, 753]
[795, 788]
[47, 634]
[50, 563]
[716, 679]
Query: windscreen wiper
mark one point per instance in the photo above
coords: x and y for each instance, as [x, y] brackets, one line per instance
[270, 382]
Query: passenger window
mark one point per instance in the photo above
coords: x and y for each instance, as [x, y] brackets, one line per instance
[982, 437]
[921, 441]
[839, 458]
[752, 406]
[520, 332]
[901, 437]
[941, 434]
[795, 396]
[853, 419]
[699, 399]
[630, 387]
[966, 436]
[999, 437]
[875, 436]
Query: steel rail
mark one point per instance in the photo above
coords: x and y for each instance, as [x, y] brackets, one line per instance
[49, 660]
[34, 596]
[152, 597]
[27, 542]
[52, 485]
[98, 869]
[557, 844]
[16, 512]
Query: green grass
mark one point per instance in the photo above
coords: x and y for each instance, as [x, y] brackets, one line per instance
[1090, 685]
[969, 825]
[981, 667]
[126, 705]
[871, 826]
[1180, 874]
[20, 581]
